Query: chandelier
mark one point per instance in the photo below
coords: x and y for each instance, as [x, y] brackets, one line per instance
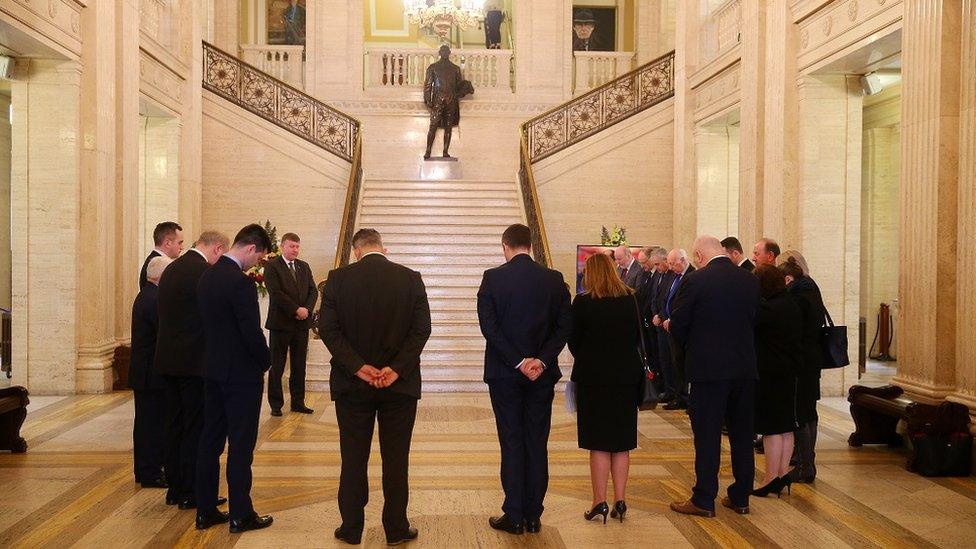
[441, 15]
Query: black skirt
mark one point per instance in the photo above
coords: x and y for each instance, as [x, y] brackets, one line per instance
[807, 395]
[776, 405]
[606, 417]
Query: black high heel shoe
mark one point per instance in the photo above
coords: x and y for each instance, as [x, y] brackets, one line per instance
[619, 510]
[775, 485]
[600, 509]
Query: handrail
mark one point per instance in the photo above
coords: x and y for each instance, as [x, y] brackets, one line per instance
[600, 108]
[530, 198]
[348, 223]
[279, 103]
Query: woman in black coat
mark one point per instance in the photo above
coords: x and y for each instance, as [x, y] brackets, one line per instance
[808, 296]
[607, 371]
[779, 357]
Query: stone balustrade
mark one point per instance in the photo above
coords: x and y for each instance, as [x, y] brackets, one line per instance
[595, 68]
[721, 30]
[488, 70]
[286, 63]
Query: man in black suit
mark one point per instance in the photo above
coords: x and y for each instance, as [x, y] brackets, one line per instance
[147, 386]
[713, 321]
[733, 248]
[524, 312]
[235, 361]
[293, 296]
[649, 258]
[168, 239]
[375, 320]
[680, 266]
[662, 347]
[179, 359]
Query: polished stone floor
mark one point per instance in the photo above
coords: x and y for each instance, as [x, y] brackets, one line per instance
[74, 487]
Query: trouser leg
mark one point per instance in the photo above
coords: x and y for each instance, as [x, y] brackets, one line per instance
[356, 418]
[507, 402]
[212, 439]
[740, 418]
[538, 421]
[396, 416]
[298, 346]
[242, 407]
[278, 343]
[707, 410]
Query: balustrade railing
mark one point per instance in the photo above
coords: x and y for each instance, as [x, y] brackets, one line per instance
[721, 30]
[286, 63]
[595, 68]
[488, 70]
[279, 103]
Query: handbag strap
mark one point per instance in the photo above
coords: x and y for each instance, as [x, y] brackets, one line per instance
[830, 321]
[640, 330]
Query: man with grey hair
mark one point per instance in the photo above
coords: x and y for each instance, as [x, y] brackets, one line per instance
[147, 386]
[627, 266]
[680, 266]
[179, 359]
[713, 323]
[375, 320]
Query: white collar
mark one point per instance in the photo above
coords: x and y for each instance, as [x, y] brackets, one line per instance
[235, 260]
[372, 253]
[744, 259]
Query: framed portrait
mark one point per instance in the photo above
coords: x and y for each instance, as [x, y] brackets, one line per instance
[286, 22]
[594, 28]
[584, 251]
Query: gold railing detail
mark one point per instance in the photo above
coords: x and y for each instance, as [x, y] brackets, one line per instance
[344, 242]
[530, 199]
[285, 106]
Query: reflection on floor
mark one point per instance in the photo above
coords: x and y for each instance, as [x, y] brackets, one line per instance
[75, 488]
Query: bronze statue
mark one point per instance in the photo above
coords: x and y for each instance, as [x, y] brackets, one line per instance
[443, 89]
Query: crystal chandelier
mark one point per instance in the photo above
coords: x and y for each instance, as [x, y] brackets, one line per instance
[441, 15]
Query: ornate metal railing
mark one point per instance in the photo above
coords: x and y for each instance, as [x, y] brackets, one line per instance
[600, 108]
[349, 212]
[285, 106]
[530, 200]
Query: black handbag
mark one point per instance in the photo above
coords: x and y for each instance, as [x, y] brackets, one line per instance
[649, 393]
[834, 344]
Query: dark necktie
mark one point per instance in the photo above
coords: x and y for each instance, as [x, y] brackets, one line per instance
[291, 267]
[671, 292]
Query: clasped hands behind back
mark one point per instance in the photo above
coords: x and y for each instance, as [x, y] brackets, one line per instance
[379, 378]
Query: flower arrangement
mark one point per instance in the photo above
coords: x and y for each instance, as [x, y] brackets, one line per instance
[256, 273]
[615, 237]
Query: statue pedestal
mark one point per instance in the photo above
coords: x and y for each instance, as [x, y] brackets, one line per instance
[437, 168]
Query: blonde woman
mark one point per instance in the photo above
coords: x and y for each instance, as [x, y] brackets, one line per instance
[607, 372]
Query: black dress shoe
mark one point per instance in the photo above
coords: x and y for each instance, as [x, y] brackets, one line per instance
[275, 412]
[533, 525]
[172, 500]
[675, 405]
[206, 520]
[506, 524]
[302, 409]
[410, 535]
[352, 538]
[253, 522]
[157, 483]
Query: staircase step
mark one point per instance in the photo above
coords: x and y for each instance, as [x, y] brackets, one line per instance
[496, 222]
[509, 194]
[491, 231]
[486, 260]
[455, 185]
[451, 356]
[427, 270]
[368, 203]
[437, 280]
[459, 245]
[437, 291]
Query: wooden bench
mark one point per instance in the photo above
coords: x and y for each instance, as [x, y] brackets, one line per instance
[877, 411]
[13, 411]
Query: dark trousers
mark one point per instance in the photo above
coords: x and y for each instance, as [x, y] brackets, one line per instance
[712, 402]
[523, 416]
[665, 361]
[231, 416]
[149, 434]
[281, 342]
[184, 420]
[678, 377]
[805, 451]
[356, 413]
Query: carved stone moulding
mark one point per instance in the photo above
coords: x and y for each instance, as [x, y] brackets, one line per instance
[160, 83]
[53, 22]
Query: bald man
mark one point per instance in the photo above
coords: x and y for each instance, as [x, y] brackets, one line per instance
[713, 322]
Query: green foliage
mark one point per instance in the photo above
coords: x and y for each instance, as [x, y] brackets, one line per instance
[615, 237]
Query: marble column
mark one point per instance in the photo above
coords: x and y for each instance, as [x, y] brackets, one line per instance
[966, 262]
[226, 24]
[191, 128]
[717, 154]
[334, 47]
[654, 28]
[684, 209]
[5, 144]
[751, 110]
[929, 195]
[96, 223]
[544, 66]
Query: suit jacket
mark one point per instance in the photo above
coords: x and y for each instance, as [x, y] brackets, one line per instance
[646, 292]
[181, 338]
[634, 274]
[145, 266]
[145, 325]
[661, 295]
[524, 311]
[808, 297]
[713, 319]
[605, 341]
[666, 291]
[748, 265]
[288, 293]
[236, 351]
[779, 337]
[374, 312]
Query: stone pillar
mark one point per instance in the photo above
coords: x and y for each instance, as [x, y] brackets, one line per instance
[717, 155]
[929, 194]
[334, 49]
[226, 24]
[966, 287]
[684, 210]
[827, 218]
[544, 50]
[96, 225]
[751, 113]
[191, 129]
[654, 29]
[5, 144]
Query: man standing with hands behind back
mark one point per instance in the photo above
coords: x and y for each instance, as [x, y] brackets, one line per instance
[525, 316]
[375, 320]
[293, 296]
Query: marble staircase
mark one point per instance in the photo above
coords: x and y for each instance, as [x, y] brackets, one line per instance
[449, 231]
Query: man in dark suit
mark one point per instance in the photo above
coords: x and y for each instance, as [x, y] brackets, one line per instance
[293, 296]
[713, 320]
[375, 320]
[524, 312]
[179, 359]
[733, 248]
[649, 258]
[680, 266]
[235, 361]
[168, 239]
[148, 428]
[662, 347]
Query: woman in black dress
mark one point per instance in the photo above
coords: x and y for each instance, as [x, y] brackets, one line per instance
[607, 371]
[807, 294]
[779, 356]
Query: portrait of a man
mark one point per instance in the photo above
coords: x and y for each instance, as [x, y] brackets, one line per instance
[286, 22]
[593, 29]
